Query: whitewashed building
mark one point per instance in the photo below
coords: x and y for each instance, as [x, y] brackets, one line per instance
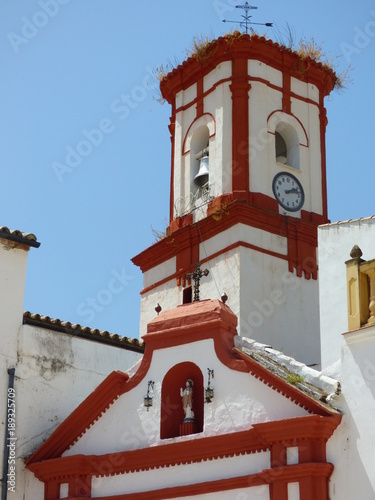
[239, 394]
[44, 364]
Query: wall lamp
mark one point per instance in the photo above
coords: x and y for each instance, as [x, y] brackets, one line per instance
[148, 399]
[209, 391]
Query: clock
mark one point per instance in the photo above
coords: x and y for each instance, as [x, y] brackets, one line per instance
[288, 191]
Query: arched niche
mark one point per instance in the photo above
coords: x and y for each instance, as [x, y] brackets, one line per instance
[290, 135]
[172, 413]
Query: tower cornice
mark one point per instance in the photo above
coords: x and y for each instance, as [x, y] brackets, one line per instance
[254, 47]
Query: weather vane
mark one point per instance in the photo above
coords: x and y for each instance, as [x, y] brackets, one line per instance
[196, 277]
[246, 18]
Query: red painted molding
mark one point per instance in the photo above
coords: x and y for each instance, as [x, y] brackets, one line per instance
[295, 118]
[280, 475]
[184, 243]
[323, 126]
[213, 256]
[184, 150]
[247, 47]
[240, 128]
[200, 97]
[172, 128]
[180, 452]
[287, 103]
[250, 80]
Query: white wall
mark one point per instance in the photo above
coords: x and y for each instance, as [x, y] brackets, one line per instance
[13, 263]
[272, 305]
[54, 371]
[335, 243]
[349, 357]
[351, 449]
[240, 401]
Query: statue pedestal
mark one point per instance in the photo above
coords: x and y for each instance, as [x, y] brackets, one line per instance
[188, 428]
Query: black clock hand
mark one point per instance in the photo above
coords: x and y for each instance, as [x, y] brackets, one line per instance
[293, 190]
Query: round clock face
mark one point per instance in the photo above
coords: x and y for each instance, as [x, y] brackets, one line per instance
[288, 191]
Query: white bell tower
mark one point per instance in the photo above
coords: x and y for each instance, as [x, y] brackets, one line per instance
[248, 189]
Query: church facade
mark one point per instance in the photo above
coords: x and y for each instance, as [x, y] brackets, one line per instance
[238, 394]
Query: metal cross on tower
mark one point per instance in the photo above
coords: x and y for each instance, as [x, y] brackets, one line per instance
[246, 22]
[196, 277]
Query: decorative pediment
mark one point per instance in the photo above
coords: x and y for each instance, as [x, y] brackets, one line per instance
[253, 411]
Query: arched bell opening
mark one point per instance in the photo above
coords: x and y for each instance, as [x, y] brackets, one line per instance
[172, 401]
[199, 158]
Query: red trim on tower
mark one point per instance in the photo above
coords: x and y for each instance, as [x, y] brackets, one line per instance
[287, 103]
[184, 150]
[247, 47]
[172, 128]
[295, 118]
[250, 79]
[240, 129]
[200, 97]
[243, 244]
[323, 126]
[223, 214]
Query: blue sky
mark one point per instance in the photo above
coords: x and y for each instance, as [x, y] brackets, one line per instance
[76, 69]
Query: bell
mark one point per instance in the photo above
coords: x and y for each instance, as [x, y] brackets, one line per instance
[202, 176]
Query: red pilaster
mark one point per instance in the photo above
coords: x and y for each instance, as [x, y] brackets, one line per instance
[287, 105]
[240, 129]
[51, 490]
[172, 127]
[200, 97]
[279, 490]
[313, 488]
[323, 126]
[80, 486]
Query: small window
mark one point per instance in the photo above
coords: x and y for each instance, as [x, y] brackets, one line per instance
[187, 295]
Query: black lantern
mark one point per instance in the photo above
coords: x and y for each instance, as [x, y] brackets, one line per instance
[209, 391]
[148, 399]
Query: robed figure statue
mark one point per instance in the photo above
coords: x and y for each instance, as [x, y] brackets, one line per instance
[187, 401]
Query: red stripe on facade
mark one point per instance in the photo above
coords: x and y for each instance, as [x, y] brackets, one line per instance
[240, 129]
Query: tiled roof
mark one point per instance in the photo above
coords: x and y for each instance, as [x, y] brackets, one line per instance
[313, 383]
[85, 332]
[18, 236]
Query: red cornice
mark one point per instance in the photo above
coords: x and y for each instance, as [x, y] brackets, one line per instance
[221, 219]
[249, 47]
[290, 473]
[256, 439]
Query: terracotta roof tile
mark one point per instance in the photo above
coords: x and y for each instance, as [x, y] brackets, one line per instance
[18, 236]
[86, 332]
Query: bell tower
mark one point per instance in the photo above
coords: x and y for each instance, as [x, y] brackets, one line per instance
[248, 189]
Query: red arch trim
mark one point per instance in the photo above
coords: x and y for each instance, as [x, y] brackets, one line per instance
[192, 123]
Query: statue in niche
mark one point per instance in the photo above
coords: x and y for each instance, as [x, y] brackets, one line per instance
[187, 401]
